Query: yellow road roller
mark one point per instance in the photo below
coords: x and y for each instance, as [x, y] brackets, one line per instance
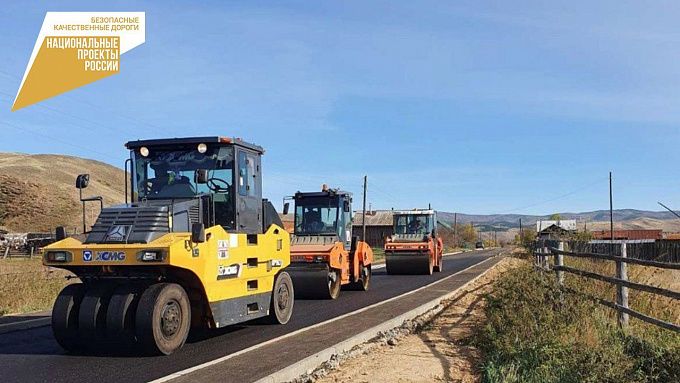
[196, 246]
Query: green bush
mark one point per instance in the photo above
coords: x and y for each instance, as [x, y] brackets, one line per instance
[535, 332]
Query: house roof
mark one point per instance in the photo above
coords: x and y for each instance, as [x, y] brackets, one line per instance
[566, 224]
[374, 218]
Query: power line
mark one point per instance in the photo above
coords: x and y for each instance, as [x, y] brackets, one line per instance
[23, 129]
[555, 198]
[383, 193]
[55, 110]
[115, 113]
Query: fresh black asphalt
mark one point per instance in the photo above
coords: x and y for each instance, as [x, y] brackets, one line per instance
[34, 356]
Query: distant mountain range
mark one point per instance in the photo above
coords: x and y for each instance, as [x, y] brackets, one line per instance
[508, 221]
[37, 193]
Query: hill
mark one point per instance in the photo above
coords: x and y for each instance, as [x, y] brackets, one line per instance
[643, 219]
[37, 192]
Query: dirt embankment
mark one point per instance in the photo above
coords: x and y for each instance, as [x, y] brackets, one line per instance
[438, 352]
[37, 192]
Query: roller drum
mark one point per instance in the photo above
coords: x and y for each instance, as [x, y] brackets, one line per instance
[314, 281]
[408, 263]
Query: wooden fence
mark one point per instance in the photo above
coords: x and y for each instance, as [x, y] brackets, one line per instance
[654, 250]
[544, 252]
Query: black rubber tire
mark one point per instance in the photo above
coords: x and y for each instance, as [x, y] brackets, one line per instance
[168, 300]
[92, 315]
[65, 317]
[120, 316]
[283, 299]
[440, 267]
[366, 275]
[334, 287]
[364, 283]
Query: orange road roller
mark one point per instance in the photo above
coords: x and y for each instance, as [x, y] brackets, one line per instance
[415, 247]
[324, 254]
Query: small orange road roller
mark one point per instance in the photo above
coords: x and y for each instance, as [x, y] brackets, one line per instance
[324, 255]
[415, 247]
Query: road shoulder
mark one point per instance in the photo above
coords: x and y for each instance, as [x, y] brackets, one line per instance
[433, 348]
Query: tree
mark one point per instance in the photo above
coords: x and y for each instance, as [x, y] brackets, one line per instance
[556, 217]
[466, 234]
[526, 239]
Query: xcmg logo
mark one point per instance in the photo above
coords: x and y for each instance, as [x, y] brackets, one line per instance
[106, 256]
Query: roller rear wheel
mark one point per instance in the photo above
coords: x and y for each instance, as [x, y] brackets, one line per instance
[92, 315]
[440, 265]
[65, 317]
[163, 318]
[283, 297]
[120, 316]
[364, 283]
[334, 284]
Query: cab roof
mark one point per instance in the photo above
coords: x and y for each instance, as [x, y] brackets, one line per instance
[414, 211]
[326, 193]
[193, 140]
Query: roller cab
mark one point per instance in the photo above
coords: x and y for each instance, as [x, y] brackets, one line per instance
[324, 255]
[415, 247]
[196, 246]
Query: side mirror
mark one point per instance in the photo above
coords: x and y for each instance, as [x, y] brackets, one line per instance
[82, 181]
[345, 206]
[197, 233]
[286, 206]
[201, 176]
[60, 233]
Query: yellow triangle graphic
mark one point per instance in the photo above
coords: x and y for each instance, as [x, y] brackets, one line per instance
[56, 70]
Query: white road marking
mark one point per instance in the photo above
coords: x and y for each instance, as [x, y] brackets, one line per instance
[189, 370]
[24, 322]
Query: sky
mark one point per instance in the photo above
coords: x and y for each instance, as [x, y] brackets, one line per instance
[478, 107]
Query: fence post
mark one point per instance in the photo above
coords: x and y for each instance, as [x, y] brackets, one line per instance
[6, 252]
[559, 261]
[622, 291]
[30, 255]
[544, 258]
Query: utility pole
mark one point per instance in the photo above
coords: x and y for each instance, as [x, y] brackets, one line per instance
[521, 231]
[455, 229]
[363, 216]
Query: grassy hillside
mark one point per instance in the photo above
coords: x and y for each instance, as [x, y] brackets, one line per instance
[37, 192]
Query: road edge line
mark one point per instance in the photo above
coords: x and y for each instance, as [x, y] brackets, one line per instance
[213, 362]
[24, 325]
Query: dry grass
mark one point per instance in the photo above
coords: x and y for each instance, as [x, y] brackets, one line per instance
[378, 254]
[26, 285]
[650, 304]
[536, 332]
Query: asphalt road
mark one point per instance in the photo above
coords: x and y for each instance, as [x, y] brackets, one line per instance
[34, 356]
